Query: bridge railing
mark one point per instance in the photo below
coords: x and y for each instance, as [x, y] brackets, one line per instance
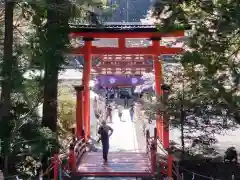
[163, 162]
[76, 151]
[80, 149]
[151, 150]
[153, 144]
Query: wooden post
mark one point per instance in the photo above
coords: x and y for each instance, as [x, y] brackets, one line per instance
[147, 139]
[163, 130]
[72, 158]
[86, 80]
[155, 133]
[79, 112]
[55, 162]
[158, 81]
[153, 149]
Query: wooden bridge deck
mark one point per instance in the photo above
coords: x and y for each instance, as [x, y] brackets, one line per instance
[120, 164]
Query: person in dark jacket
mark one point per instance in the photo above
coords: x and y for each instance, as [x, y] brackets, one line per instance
[125, 101]
[105, 132]
[131, 111]
[109, 113]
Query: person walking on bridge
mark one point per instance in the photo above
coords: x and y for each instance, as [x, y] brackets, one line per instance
[120, 112]
[131, 111]
[105, 131]
[109, 113]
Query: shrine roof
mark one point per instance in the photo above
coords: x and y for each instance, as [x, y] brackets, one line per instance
[116, 28]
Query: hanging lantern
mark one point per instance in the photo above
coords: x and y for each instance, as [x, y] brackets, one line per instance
[134, 80]
[112, 80]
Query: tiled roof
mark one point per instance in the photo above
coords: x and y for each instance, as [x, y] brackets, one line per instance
[113, 28]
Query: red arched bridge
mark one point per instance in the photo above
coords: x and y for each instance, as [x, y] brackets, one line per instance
[84, 163]
[121, 164]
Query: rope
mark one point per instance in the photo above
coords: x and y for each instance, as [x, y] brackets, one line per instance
[50, 167]
[191, 172]
[197, 174]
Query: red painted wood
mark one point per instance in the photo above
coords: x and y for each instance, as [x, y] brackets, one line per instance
[119, 57]
[162, 132]
[86, 80]
[124, 65]
[170, 165]
[179, 33]
[55, 163]
[134, 71]
[119, 164]
[121, 42]
[79, 115]
[158, 82]
[113, 174]
[145, 51]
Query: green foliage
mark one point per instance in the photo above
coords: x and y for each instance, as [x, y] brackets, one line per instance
[66, 109]
[38, 46]
[207, 89]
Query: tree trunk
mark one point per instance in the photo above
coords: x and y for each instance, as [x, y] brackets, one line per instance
[182, 119]
[52, 59]
[8, 62]
[51, 69]
[56, 40]
[49, 118]
[6, 75]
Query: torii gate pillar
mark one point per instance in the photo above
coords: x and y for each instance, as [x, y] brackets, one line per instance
[162, 131]
[85, 81]
[158, 81]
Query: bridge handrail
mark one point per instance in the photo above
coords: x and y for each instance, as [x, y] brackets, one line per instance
[166, 152]
[152, 143]
[151, 151]
[79, 149]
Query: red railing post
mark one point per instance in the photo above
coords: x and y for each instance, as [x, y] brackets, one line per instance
[147, 140]
[79, 112]
[167, 147]
[72, 158]
[155, 134]
[170, 165]
[55, 163]
[153, 149]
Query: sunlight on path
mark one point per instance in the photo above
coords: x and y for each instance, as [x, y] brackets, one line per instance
[124, 135]
[123, 138]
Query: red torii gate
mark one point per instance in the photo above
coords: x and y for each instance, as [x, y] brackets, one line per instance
[155, 50]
